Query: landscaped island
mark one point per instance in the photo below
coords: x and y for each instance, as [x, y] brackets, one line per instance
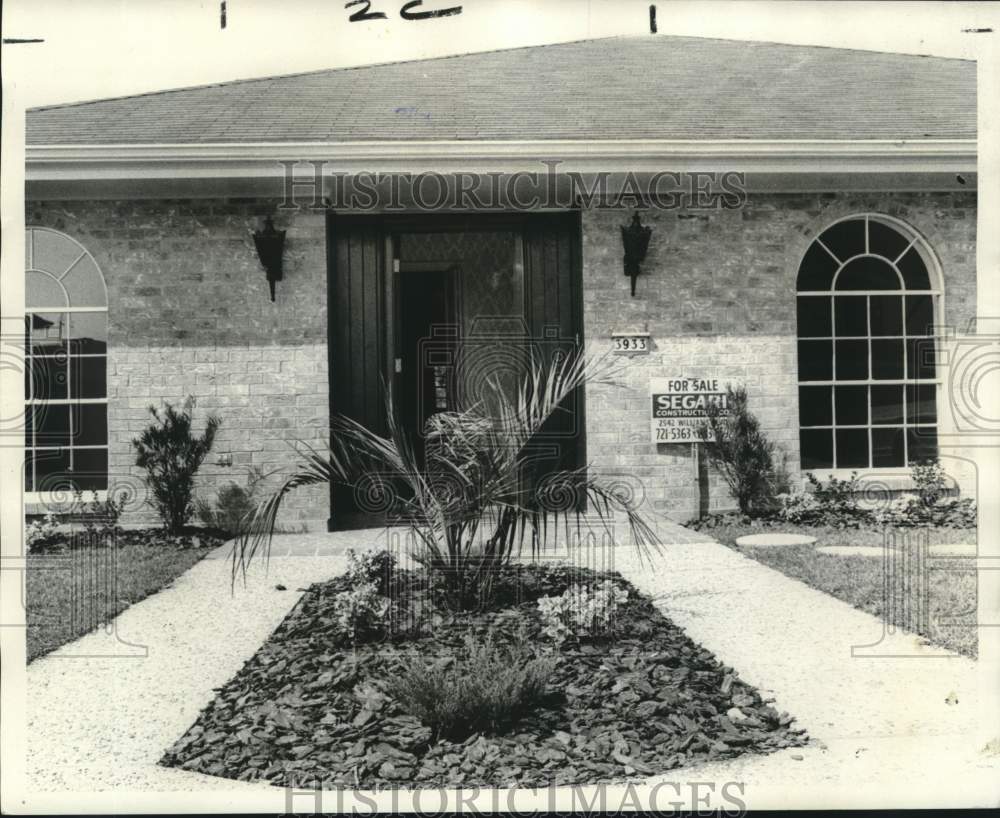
[513, 694]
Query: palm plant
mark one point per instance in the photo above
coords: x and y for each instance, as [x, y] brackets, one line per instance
[468, 504]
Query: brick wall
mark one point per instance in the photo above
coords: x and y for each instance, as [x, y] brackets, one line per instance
[718, 296]
[189, 314]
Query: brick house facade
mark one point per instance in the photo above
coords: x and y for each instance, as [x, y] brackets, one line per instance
[188, 311]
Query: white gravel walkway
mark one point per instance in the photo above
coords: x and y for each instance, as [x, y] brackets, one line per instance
[891, 730]
[894, 719]
[100, 712]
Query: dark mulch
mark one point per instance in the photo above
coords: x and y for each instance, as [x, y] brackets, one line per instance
[191, 537]
[302, 712]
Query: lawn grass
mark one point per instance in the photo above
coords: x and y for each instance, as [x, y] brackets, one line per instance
[69, 594]
[859, 581]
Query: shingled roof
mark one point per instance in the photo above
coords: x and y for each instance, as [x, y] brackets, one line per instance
[649, 87]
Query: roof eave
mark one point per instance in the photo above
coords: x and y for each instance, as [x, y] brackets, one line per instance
[273, 160]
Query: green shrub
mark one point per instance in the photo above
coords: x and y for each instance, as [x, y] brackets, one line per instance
[171, 455]
[742, 454]
[930, 480]
[486, 691]
[233, 505]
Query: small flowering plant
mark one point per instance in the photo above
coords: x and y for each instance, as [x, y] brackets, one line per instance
[372, 566]
[581, 611]
[363, 611]
[40, 532]
[359, 612]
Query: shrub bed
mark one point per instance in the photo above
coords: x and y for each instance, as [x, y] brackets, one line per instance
[310, 708]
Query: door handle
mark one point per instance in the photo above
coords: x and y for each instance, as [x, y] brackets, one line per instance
[398, 365]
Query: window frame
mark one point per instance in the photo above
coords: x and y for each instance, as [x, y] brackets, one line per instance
[916, 241]
[50, 497]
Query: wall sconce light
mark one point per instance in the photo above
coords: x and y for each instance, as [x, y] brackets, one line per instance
[270, 247]
[635, 240]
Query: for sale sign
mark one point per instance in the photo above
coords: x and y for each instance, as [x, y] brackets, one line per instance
[679, 407]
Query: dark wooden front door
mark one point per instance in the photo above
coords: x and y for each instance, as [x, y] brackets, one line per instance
[359, 314]
[380, 314]
[554, 308]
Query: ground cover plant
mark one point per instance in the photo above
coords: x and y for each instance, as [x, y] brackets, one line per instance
[860, 581]
[420, 700]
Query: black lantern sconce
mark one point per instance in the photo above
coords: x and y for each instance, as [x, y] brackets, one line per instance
[635, 239]
[270, 247]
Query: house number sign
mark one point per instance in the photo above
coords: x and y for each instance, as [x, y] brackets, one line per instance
[678, 407]
[631, 342]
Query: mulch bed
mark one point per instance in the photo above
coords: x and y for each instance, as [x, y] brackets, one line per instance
[191, 537]
[304, 712]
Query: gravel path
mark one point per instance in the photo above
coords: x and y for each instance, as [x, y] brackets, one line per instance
[101, 712]
[890, 729]
[892, 717]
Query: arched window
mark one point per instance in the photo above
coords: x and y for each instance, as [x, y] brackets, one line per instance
[867, 293]
[65, 382]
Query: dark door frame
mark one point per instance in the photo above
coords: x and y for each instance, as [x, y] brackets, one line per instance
[388, 227]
